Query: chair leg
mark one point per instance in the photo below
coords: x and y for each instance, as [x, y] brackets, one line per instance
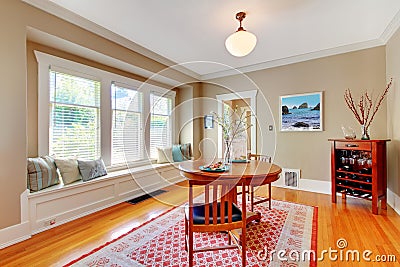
[190, 250]
[186, 234]
[269, 196]
[243, 237]
[251, 189]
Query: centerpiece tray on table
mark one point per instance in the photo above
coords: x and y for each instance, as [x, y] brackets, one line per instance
[215, 167]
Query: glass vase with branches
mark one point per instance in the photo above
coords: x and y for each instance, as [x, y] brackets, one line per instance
[365, 109]
[233, 123]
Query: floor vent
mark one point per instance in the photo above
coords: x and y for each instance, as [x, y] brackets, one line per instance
[146, 196]
[291, 177]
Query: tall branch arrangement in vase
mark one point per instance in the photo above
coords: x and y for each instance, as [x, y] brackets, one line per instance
[365, 109]
[232, 125]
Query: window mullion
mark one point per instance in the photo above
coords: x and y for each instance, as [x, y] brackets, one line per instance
[146, 123]
[106, 121]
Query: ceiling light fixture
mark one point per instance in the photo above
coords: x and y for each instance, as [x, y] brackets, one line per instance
[240, 43]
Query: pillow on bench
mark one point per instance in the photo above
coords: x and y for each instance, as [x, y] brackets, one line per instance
[69, 170]
[176, 153]
[42, 173]
[91, 169]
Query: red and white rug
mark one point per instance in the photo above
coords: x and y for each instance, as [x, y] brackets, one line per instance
[289, 229]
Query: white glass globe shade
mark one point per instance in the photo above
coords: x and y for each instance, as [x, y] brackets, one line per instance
[241, 43]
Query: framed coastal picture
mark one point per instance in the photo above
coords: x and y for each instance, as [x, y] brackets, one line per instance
[302, 112]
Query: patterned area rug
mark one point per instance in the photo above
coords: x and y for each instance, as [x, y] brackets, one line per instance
[288, 229]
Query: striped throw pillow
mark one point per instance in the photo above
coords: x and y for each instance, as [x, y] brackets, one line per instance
[42, 173]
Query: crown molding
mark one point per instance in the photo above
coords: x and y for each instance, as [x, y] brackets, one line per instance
[38, 36]
[294, 59]
[56, 10]
[86, 24]
[393, 26]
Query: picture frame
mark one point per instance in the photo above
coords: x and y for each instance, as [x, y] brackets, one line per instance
[208, 121]
[301, 112]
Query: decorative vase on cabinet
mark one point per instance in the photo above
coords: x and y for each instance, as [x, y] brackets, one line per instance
[358, 169]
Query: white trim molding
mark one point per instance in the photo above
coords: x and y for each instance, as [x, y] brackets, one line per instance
[252, 94]
[14, 234]
[393, 201]
[19, 232]
[295, 59]
[315, 186]
[67, 15]
[391, 29]
[56, 10]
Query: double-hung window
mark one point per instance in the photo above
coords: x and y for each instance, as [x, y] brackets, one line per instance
[160, 122]
[74, 128]
[127, 132]
[87, 113]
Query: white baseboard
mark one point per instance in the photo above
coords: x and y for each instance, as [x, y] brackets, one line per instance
[393, 201]
[14, 234]
[316, 186]
[324, 187]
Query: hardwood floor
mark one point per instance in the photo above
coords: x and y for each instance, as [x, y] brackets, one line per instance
[351, 220]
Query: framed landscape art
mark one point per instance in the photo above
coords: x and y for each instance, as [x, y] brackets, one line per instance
[301, 112]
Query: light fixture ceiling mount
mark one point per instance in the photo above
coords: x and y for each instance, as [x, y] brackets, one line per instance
[242, 42]
[240, 17]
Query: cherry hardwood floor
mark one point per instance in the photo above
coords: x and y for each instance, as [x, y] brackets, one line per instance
[351, 220]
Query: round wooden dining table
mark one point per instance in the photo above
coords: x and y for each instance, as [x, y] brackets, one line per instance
[253, 172]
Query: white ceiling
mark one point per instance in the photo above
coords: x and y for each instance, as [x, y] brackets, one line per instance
[287, 30]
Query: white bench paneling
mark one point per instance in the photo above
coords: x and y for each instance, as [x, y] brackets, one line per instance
[59, 204]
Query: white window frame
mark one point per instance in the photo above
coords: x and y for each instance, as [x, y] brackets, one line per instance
[167, 94]
[80, 75]
[142, 126]
[46, 61]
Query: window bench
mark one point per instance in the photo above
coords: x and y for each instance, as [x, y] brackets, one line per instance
[59, 204]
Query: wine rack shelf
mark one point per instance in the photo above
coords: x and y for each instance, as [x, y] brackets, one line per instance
[358, 169]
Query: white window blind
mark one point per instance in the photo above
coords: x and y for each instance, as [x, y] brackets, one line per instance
[74, 129]
[127, 133]
[160, 123]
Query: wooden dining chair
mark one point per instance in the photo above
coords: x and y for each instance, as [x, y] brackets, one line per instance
[217, 213]
[250, 190]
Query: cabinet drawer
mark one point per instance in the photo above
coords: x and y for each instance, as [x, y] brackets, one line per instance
[353, 145]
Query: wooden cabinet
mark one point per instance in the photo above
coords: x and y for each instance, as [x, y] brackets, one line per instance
[358, 169]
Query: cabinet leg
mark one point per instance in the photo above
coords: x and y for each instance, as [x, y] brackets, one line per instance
[375, 206]
[383, 203]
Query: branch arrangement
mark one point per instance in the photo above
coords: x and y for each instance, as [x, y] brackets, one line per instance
[232, 124]
[362, 109]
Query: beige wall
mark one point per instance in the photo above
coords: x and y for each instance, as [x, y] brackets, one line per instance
[393, 112]
[310, 151]
[13, 111]
[16, 142]
[188, 116]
